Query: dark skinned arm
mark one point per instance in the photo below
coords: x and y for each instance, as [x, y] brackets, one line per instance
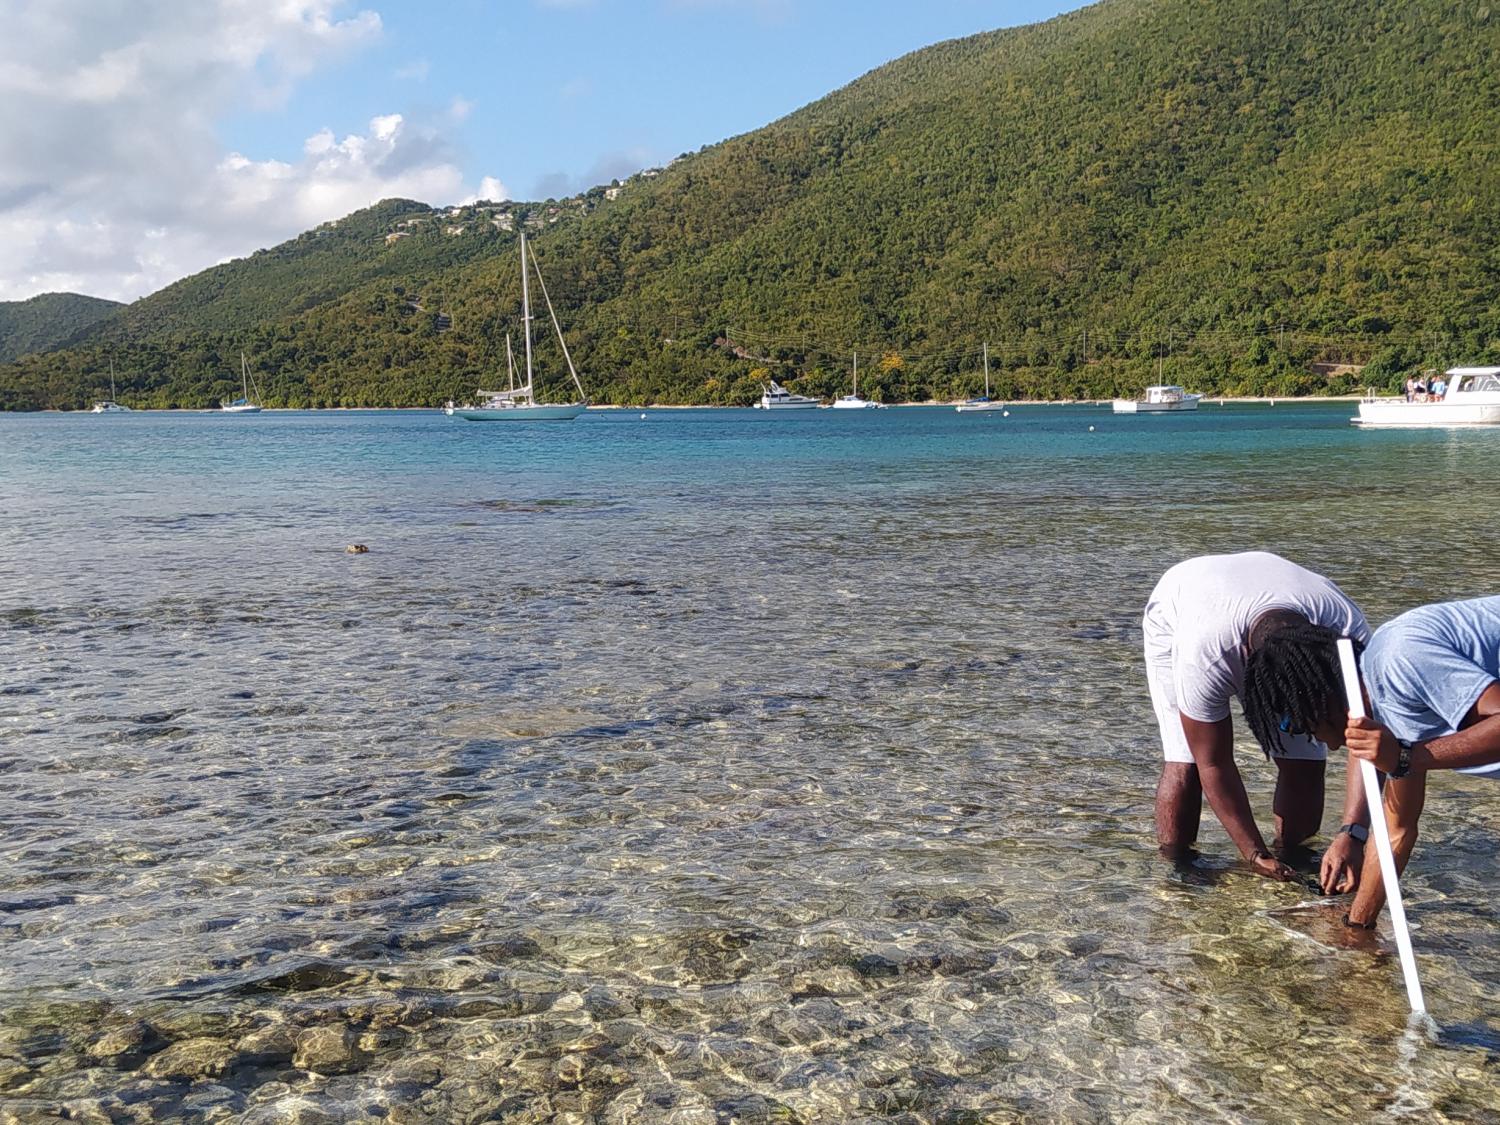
[1476, 743]
[1212, 745]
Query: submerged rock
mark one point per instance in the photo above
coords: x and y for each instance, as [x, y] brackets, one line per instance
[328, 1050]
[191, 1058]
[268, 1046]
[13, 1074]
[126, 1044]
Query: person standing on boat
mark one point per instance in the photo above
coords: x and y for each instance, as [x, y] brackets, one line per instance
[1431, 678]
[1205, 625]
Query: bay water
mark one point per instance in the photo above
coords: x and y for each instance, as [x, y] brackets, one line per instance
[707, 766]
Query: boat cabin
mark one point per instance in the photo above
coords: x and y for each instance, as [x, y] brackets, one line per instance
[1164, 394]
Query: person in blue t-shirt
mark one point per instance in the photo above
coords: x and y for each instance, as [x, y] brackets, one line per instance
[1432, 686]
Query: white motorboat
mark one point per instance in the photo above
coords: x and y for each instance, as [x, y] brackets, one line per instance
[1472, 399]
[1158, 400]
[244, 404]
[777, 397]
[853, 401]
[519, 404]
[109, 405]
[986, 404]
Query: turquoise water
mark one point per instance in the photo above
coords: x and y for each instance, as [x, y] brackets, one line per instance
[712, 766]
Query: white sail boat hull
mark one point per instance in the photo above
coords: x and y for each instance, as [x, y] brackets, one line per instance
[240, 408]
[977, 407]
[540, 412]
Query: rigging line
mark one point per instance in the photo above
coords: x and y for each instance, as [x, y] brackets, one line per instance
[558, 327]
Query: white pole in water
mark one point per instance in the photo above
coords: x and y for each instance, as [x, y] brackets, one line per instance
[1382, 835]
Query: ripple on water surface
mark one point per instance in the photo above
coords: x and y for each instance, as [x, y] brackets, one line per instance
[705, 769]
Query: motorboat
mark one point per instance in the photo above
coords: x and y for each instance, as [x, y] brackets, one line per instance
[1472, 399]
[1160, 399]
[244, 404]
[776, 397]
[853, 401]
[518, 403]
[109, 405]
[983, 404]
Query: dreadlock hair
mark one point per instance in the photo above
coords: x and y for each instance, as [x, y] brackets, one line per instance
[1293, 683]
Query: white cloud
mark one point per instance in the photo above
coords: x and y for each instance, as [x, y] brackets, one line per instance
[113, 181]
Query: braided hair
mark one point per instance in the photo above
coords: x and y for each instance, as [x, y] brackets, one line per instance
[1293, 683]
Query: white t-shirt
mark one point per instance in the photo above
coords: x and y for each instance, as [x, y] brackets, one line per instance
[1201, 611]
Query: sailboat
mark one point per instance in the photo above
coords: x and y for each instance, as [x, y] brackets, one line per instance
[243, 405]
[519, 404]
[985, 404]
[853, 401]
[109, 405]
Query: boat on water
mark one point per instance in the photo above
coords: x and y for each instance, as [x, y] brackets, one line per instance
[984, 404]
[853, 401]
[244, 404]
[518, 403]
[1472, 399]
[776, 397]
[109, 405]
[1162, 399]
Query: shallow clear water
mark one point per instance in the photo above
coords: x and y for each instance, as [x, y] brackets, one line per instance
[709, 767]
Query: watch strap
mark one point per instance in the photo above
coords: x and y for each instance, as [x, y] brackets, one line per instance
[1358, 831]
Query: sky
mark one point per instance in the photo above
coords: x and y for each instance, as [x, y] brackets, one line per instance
[144, 140]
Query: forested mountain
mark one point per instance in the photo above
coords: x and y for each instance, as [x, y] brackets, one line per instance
[47, 320]
[1230, 188]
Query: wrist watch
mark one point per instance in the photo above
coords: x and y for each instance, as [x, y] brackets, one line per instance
[1403, 761]
[1358, 831]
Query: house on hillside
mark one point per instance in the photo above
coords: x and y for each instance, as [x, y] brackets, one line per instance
[504, 222]
[396, 236]
[613, 193]
[453, 229]
[1334, 370]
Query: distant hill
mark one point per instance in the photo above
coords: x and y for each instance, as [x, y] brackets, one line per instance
[1224, 190]
[45, 321]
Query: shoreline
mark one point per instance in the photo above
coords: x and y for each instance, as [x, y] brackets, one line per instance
[1211, 400]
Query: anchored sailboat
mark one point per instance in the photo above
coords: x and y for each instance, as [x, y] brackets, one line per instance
[519, 404]
[985, 404]
[853, 401]
[109, 405]
[243, 404]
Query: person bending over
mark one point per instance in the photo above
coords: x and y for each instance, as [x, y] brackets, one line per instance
[1206, 625]
[1431, 680]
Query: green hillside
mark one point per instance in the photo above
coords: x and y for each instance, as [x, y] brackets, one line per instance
[47, 320]
[1239, 187]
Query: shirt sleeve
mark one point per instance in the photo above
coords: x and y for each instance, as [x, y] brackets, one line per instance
[1203, 689]
[1430, 680]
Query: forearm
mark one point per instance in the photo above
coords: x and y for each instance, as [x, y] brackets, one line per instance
[1356, 808]
[1225, 790]
[1477, 745]
[1403, 809]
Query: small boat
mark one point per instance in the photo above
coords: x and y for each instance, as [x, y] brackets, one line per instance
[985, 404]
[777, 397]
[853, 401]
[519, 404]
[1158, 400]
[1472, 399]
[109, 405]
[244, 404]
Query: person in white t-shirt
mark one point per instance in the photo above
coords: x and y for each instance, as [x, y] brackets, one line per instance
[1203, 623]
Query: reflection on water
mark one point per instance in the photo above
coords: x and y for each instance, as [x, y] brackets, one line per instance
[709, 768]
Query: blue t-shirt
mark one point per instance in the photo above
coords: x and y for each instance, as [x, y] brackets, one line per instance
[1425, 669]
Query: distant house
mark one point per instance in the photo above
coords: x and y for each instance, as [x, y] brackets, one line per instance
[453, 230]
[396, 236]
[1334, 370]
[613, 193]
[504, 222]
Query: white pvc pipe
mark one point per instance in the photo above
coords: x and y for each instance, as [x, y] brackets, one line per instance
[1382, 835]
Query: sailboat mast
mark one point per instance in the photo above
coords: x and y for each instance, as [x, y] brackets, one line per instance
[526, 310]
[244, 377]
[986, 369]
[856, 374]
[510, 362]
[111, 378]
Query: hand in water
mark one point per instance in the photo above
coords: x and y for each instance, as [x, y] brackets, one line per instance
[1272, 868]
[1341, 865]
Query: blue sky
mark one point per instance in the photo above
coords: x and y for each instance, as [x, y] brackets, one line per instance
[552, 97]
